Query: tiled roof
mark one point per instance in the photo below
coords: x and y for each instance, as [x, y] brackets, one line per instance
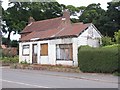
[52, 28]
[42, 25]
[68, 30]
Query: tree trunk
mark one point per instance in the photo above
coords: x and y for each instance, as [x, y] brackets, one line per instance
[8, 39]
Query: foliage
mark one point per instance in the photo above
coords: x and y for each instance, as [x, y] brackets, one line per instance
[73, 10]
[116, 74]
[91, 13]
[99, 60]
[107, 21]
[23, 62]
[107, 41]
[16, 17]
[13, 43]
[10, 59]
[4, 40]
[117, 37]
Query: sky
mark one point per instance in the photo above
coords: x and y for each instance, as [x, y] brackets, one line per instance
[76, 3]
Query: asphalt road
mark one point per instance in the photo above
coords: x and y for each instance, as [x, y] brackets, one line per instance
[16, 78]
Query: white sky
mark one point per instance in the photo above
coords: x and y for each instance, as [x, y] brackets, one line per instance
[76, 3]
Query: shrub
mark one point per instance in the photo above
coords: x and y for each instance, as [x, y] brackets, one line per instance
[117, 37]
[23, 62]
[98, 60]
[10, 59]
[107, 41]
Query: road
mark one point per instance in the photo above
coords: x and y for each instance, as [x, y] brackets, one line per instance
[18, 78]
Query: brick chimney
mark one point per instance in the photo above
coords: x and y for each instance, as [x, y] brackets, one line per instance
[66, 23]
[30, 20]
[66, 16]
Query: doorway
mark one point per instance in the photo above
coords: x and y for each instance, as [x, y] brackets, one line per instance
[34, 53]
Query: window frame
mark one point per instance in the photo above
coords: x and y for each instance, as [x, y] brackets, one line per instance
[24, 48]
[69, 48]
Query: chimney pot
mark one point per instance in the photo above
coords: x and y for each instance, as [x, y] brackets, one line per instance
[31, 19]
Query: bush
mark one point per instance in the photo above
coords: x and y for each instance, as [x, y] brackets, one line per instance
[117, 37]
[107, 41]
[10, 59]
[98, 60]
[23, 62]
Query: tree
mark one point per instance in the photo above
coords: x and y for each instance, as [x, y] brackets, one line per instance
[4, 40]
[109, 22]
[16, 17]
[14, 43]
[113, 13]
[91, 13]
[75, 11]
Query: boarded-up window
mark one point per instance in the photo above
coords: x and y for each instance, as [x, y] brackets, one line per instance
[25, 50]
[44, 49]
[64, 52]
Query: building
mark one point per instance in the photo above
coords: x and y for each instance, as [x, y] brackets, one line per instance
[56, 41]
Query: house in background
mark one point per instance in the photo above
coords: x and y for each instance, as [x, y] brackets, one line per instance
[56, 41]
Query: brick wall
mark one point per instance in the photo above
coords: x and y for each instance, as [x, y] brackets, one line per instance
[10, 52]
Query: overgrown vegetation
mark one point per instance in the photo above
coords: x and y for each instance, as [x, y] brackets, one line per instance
[99, 60]
[107, 41]
[10, 60]
[24, 62]
[117, 37]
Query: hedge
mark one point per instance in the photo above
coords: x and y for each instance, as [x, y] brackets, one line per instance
[98, 60]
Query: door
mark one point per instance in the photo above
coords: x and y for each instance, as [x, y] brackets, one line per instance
[34, 53]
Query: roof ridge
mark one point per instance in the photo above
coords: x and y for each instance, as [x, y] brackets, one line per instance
[47, 19]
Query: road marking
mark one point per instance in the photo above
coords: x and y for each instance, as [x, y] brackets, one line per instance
[24, 83]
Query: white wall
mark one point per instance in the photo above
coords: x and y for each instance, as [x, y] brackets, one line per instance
[24, 57]
[51, 58]
[90, 36]
[52, 53]
[82, 39]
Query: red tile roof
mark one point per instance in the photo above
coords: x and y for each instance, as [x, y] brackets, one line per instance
[52, 28]
[43, 25]
[49, 29]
